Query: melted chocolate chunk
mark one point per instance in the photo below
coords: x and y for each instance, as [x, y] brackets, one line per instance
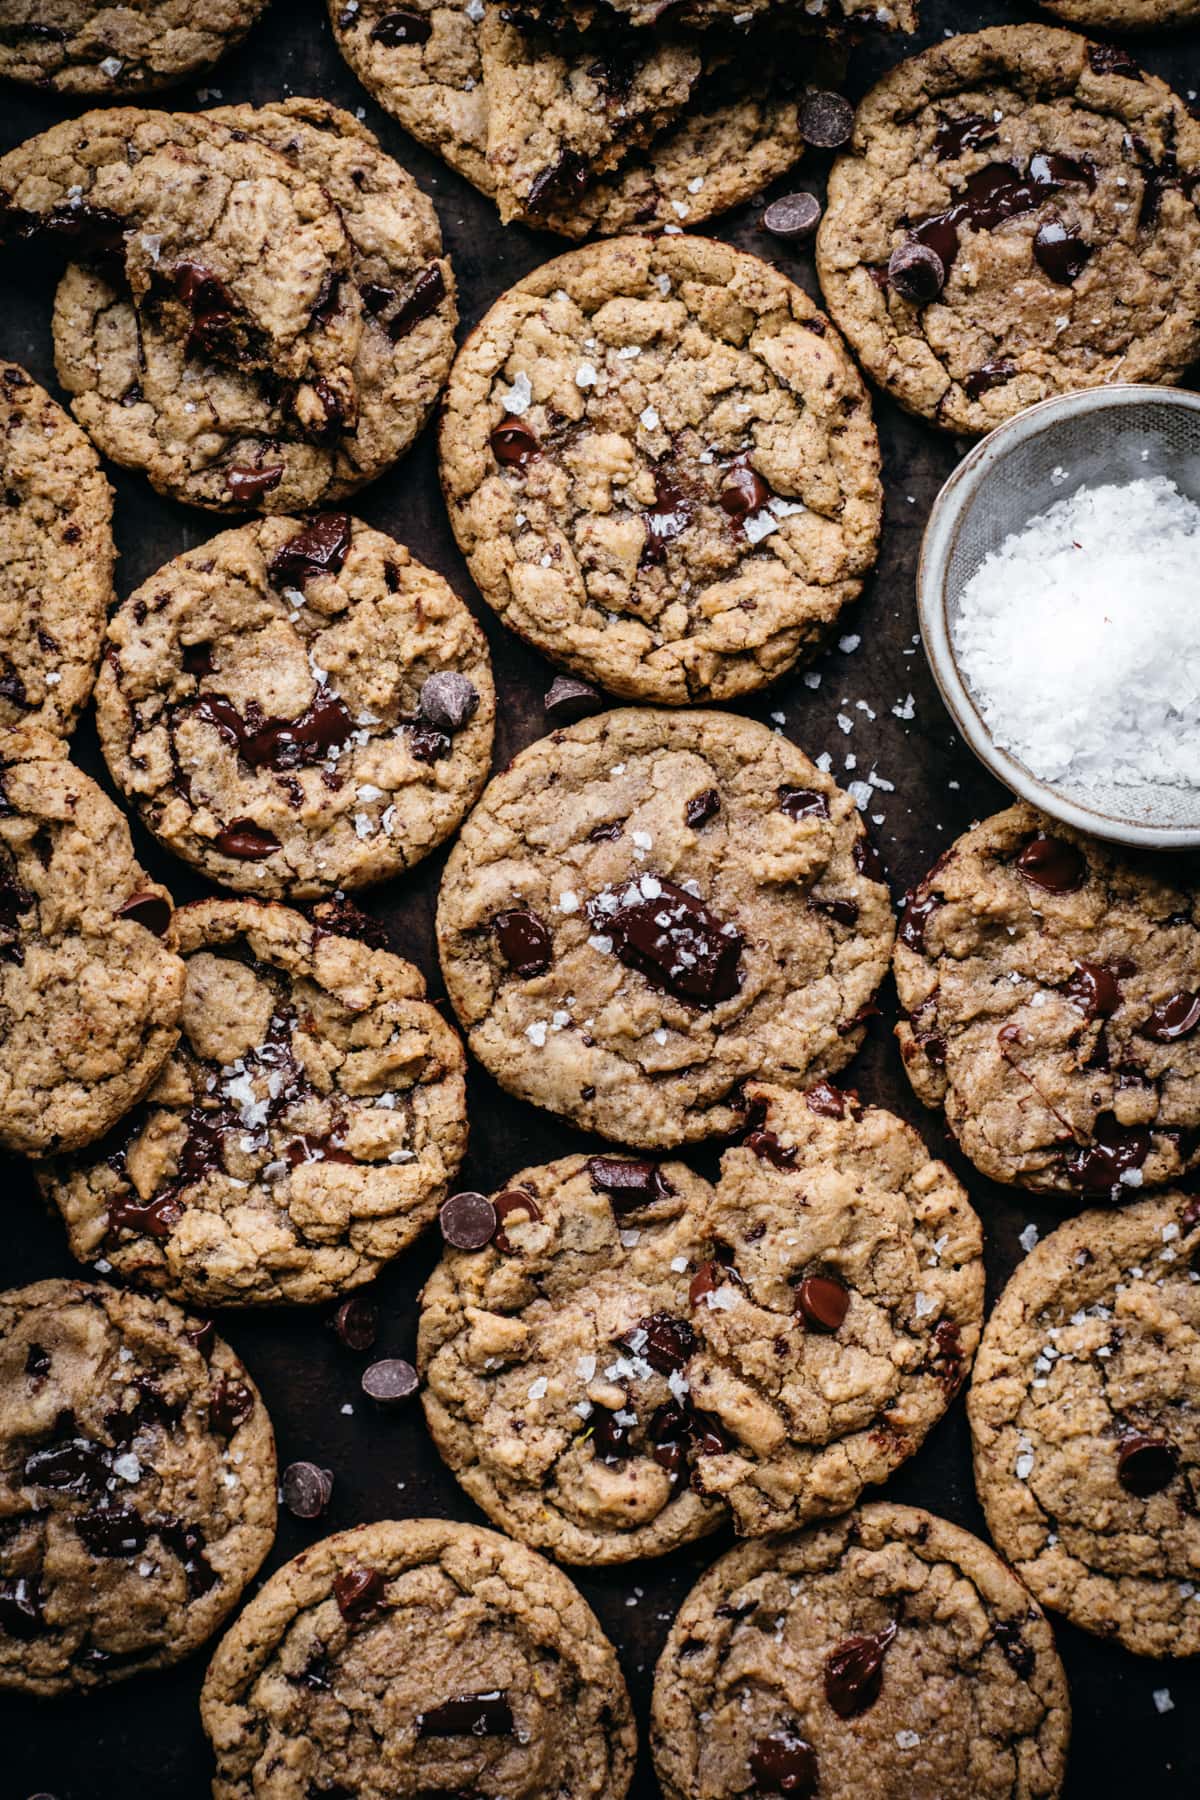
[468, 1221]
[1107, 59]
[708, 1278]
[826, 121]
[998, 192]
[248, 486]
[246, 841]
[229, 1405]
[854, 1672]
[20, 1608]
[1097, 1168]
[822, 1302]
[1061, 252]
[429, 290]
[767, 1147]
[947, 1363]
[12, 689]
[342, 918]
[514, 443]
[630, 1182]
[916, 272]
[793, 217]
[612, 1441]
[1052, 864]
[669, 1343]
[867, 859]
[784, 1763]
[112, 1531]
[14, 900]
[518, 1205]
[918, 910]
[37, 1361]
[743, 492]
[428, 743]
[468, 1715]
[151, 910]
[320, 548]
[188, 1544]
[842, 911]
[667, 519]
[358, 1592]
[701, 808]
[1146, 1465]
[1174, 1018]
[568, 699]
[397, 28]
[953, 136]
[156, 1217]
[561, 181]
[674, 940]
[217, 317]
[802, 803]
[74, 1466]
[987, 376]
[279, 744]
[80, 230]
[524, 941]
[1095, 987]
[826, 1101]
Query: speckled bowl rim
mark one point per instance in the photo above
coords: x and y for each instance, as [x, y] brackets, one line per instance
[937, 545]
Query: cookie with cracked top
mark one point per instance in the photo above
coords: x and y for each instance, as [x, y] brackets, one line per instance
[302, 1134]
[417, 1656]
[95, 48]
[90, 988]
[661, 467]
[1124, 15]
[1086, 1427]
[277, 704]
[1051, 993]
[137, 1483]
[649, 908]
[1058, 187]
[886, 1653]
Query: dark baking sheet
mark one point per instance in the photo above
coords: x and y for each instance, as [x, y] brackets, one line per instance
[143, 1737]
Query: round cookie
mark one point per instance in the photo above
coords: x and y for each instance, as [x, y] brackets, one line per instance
[1053, 184]
[137, 1485]
[297, 707]
[661, 467]
[229, 439]
[1086, 1423]
[89, 994]
[1051, 991]
[1125, 15]
[887, 1653]
[56, 560]
[411, 1656]
[103, 50]
[650, 907]
[302, 1134]
[841, 1314]
[553, 1359]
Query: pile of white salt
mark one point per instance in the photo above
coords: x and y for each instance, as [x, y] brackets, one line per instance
[1079, 638]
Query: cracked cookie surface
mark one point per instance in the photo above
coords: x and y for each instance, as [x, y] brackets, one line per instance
[661, 467]
[1086, 1425]
[95, 48]
[137, 1485]
[302, 1134]
[227, 438]
[266, 702]
[89, 992]
[401, 1658]
[1051, 991]
[56, 560]
[1124, 15]
[887, 1653]
[650, 907]
[1054, 186]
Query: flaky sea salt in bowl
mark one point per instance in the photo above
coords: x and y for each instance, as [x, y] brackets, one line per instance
[1059, 602]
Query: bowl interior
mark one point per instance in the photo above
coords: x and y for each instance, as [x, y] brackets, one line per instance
[1125, 435]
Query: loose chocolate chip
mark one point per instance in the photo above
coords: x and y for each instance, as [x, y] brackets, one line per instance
[675, 941]
[802, 803]
[468, 1715]
[246, 841]
[793, 216]
[826, 120]
[1061, 252]
[319, 548]
[468, 1221]
[448, 700]
[743, 492]
[1146, 1465]
[1108, 59]
[398, 28]
[854, 1672]
[823, 1302]
[429, 290]
[629, 1182]
[1052, 864]
[514, 443]
[358, 1592]
[784, 1764]
[515, 1204]
[567, 699]
[389, 1382]
[701, 808]
[151, 910]
[1174, 1018]
[249, 485]
[356, 1323]
[307, 1489]
[229, 1405]
[524, 940]
[826, 1101]
[916, 272]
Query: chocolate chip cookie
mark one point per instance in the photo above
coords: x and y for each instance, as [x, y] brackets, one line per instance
[406, 1658]
[1018, 216]
[840, 1314]
[56, 559]
[554, 1359]
[1051, 987]
[1086, 1423]
[302, 1134]
[1124, 15]
[661, 467]
[104, 50]
[230, 438]
[137, 1485]
[297, 707]
[865, 14]
[888, 1653]
[89, 991]
[648, 908]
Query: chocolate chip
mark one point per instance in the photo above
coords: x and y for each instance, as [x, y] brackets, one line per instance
[279, 743]
[867, 859]
[669, 1343]
[743, 492]
[113, 1531]
[953, 136]
[802, 803]
[401, 27]
[826, 121]
[356, 1323]
[784, 1764]
[918, 910]
[468, 1221]
[1174, 1018]
[675, 941]
[611, 1440]
[701, 808]
[307, 1489]
[823, 1302]
[468, 1715]
[229, 1404]
[246, 841]
[1052, 864]
[988, 375]
[767, 1147]
[20, 1608]
[1017, 1653]
[358, 1592]
[428, 743]
[249, 485]
[630, 1182]
[77, 1466]
[854, 1672]
[524, 940]
[342, 918]
[151, 910]
[389, 1382]
[793, 216]
[1097, 1167]
[826, 1101]
[202, 1336]
[708, 1278]
[1107, 59]
[448, 700]
[916, 272]
[1095, 987]
[514, 443]
[429, 290]
[567, 699]
[1146, 1465]
[320, 548]
[37, 1361]
[842, 911]
[515, 1204]
[1061, 252]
